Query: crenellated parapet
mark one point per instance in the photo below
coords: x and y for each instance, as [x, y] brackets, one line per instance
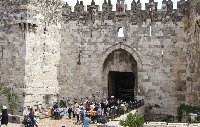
[66, 9]
[183, 7]
[31, 13]
[135, 15]
[79, 7]
[107, 6]
[136, 6]
[121, 8]
[107, 12]
[167, 5]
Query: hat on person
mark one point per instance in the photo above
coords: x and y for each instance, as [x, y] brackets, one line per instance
[122, 105]
[4, 107]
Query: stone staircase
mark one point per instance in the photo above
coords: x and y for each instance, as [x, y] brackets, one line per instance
[115, 122]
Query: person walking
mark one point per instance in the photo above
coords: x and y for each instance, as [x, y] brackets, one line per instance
[4, 119]
[86, 121]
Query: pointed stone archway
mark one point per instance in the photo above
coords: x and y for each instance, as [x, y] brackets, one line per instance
[120, 72]
[127, 48]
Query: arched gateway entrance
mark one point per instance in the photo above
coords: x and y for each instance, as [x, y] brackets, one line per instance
[120, 74]
[121, 85]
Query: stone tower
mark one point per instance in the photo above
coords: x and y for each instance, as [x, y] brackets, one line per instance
[49, 51]
[30, 39]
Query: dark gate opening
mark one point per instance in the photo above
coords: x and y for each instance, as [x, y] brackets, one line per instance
[121, 85]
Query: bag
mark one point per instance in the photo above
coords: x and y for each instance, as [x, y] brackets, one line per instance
[82, 113]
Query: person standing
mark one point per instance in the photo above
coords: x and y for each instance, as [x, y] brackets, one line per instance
[4, 119]
[77, 111]
[32, 117]
[70, 112]
[86, 121]
[25, 115]
[82, 114]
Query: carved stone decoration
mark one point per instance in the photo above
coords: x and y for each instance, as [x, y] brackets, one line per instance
[106, 9]
[169, 6]
[151, 9]
[79, 7]
[92, 9]
[120, 10]
[164, 5]
[104, 6]
[183, 7]
[139, 5]
[136, 12]
[163, 14]
[120, 6]
[66, 10]
[134, 6]
[107, 6]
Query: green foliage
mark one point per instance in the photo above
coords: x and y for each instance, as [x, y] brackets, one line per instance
[187, 109]
[133, 120]
[10, 96]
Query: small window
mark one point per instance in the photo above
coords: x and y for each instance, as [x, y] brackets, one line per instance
[120, 32]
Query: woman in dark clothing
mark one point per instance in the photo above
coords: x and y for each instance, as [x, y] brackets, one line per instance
[70, 112]
[32, 117]
[4, 119]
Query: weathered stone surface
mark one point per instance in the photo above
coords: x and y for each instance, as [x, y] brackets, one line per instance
[65, 53]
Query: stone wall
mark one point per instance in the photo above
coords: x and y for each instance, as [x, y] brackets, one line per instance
[30, 50]
[46, 53]
[12, 52]
[160, 56]
[42, 55]
[192, 38]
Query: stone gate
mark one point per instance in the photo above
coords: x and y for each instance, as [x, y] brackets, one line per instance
[49, 52]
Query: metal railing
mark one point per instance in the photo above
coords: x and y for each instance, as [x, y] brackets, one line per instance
[172, 118]
[119, 111]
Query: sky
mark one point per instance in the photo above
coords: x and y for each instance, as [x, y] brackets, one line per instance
[128, 2]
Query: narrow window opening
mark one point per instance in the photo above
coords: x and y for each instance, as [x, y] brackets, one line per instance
[150, 30]
[120, 32]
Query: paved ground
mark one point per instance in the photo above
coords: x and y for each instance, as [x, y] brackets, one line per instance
[47, 122]
[52, 123]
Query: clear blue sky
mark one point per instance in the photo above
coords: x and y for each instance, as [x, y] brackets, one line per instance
[128, 2]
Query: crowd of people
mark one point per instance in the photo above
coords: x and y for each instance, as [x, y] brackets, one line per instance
[98, 112]
[30, 117]
[84, 112]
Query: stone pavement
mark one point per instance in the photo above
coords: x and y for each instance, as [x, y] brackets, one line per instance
[52, 123]
[48, 122]
[63, 122]
[164, 124]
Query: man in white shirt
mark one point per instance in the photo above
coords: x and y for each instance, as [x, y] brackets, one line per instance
[77, 111]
